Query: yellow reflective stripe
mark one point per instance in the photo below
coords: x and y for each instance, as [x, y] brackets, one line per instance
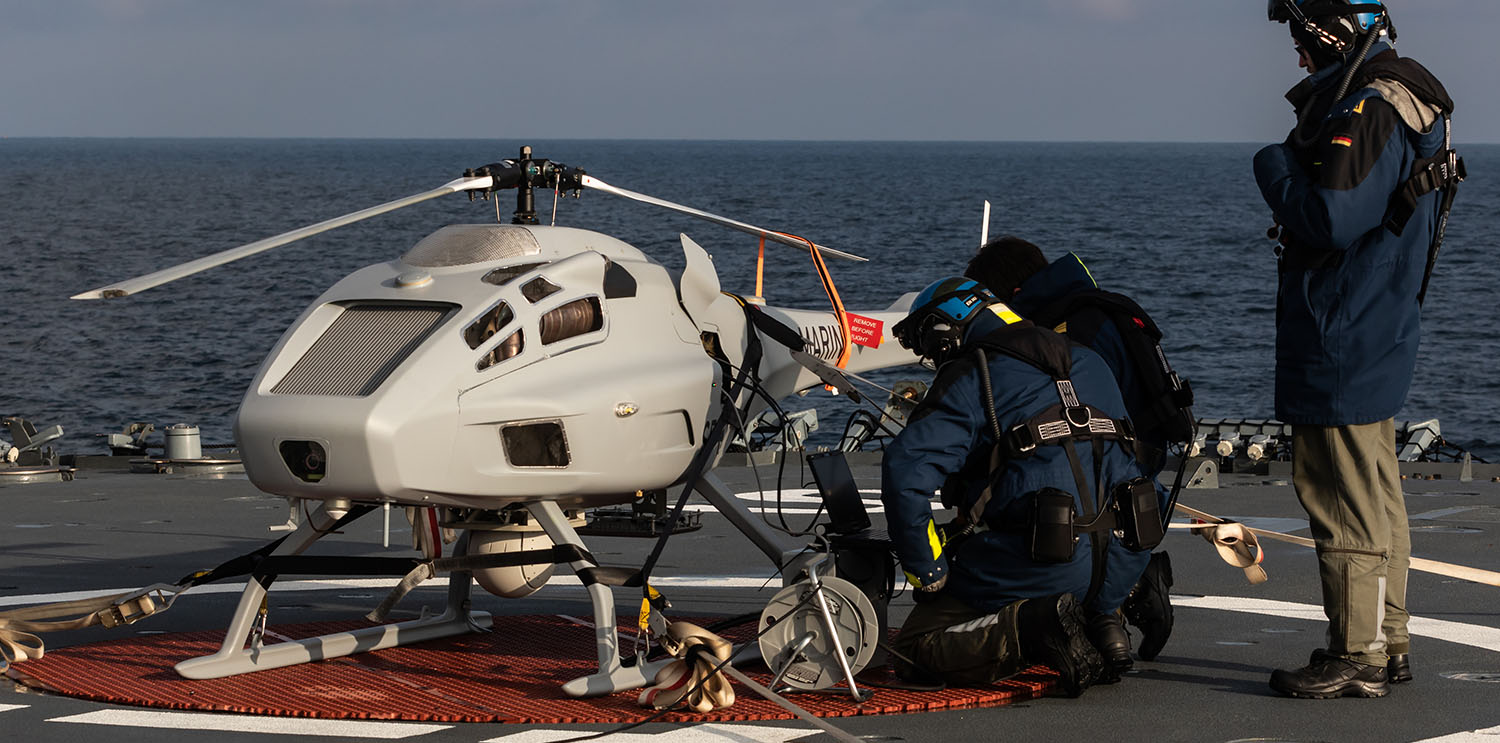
[937, 552]
[1063, 328]
[1005, 313]
[1086, 271]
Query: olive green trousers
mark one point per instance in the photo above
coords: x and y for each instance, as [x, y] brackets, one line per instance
[1349, 483]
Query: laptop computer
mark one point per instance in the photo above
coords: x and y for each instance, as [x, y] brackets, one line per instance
[848, 520]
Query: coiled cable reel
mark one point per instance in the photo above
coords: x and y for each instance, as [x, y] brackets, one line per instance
[817, 632]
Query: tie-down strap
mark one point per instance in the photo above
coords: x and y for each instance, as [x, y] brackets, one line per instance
[18, 641]
[556, 554]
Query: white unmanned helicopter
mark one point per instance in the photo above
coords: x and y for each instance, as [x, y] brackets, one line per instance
[508, 375]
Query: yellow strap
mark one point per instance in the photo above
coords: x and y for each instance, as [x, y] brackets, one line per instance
[652, 596]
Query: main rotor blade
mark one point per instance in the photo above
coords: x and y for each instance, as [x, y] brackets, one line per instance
[594, 183]
[142, 283]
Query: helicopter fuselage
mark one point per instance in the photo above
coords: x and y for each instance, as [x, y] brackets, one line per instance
[499, 364]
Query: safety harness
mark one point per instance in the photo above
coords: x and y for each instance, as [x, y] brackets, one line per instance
[1443, 171]
[1064, 425]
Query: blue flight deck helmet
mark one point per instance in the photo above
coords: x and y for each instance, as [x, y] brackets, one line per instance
[1330, 27]
[940, 314]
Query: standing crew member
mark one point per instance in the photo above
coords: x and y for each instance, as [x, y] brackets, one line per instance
[1360, 190]
[1025, 434]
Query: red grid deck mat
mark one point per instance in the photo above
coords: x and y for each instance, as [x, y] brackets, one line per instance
[511, 674]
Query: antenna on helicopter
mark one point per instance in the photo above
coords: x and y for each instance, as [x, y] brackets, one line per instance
[524, 174]
[984, 225]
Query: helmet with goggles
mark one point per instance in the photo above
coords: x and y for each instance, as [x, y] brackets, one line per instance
[940, 315]
[1330, 26]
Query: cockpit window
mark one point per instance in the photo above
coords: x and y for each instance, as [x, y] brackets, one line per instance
[572, 319]
[538, 289]
[488, 324]
[512, 345]
[506, 274]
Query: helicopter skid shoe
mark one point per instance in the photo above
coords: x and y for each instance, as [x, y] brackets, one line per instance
[234, 658]
[613, 674]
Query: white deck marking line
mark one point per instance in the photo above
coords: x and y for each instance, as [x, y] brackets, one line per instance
[800, 510]
[1473, 635]
[1440, 513]
[252, 724]
[706, 733]
[1487, 735]
[293, 586]
[9, 707]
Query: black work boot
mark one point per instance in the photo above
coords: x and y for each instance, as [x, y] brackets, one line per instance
[1149, 608]
[1107, 633]
[1398, 668]
[1328, 677]
[1051, 631]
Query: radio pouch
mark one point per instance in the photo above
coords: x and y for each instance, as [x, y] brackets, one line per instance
[1052, 537]
[1138, 514]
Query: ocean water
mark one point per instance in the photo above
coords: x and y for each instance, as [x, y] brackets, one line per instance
[1180, 227]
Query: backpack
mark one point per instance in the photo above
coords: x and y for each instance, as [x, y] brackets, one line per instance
[1166, 414]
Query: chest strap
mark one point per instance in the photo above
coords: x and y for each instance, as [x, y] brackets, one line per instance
[1059, 425]
[1063, 422]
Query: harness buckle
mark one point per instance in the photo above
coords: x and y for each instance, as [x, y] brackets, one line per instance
[1022, 439]
[1068, 413]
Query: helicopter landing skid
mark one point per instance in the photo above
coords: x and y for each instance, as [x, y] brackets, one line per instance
[613, 674]
[234, 658]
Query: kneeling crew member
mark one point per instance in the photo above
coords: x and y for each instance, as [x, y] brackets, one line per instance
[1030, 429]
[1062, 295]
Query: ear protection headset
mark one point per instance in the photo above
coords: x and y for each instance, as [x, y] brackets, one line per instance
[935, 328]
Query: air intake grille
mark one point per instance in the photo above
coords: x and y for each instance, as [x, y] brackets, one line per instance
[462, 244]
[360, 349]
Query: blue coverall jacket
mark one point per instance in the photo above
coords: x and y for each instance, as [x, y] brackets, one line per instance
[1347, 319]
[949, 434]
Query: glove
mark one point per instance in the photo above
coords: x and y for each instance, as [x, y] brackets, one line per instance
[930, 591]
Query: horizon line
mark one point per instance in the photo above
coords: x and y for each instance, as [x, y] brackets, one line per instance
[630, 139]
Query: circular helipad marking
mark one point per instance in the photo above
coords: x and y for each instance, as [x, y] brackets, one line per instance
[1484, 677]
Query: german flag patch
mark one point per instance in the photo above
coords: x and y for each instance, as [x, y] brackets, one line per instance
[1345, 141]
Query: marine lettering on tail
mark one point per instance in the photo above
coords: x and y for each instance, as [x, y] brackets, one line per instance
[823, 341]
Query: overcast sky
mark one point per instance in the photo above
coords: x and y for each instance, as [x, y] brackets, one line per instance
[1135, 70]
